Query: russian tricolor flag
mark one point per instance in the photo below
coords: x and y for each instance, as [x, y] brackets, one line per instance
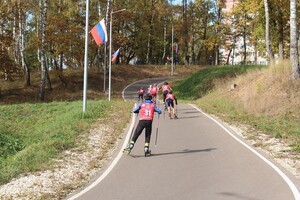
[115, 56]
[99, 33]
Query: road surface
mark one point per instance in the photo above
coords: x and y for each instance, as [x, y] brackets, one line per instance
[196, 158]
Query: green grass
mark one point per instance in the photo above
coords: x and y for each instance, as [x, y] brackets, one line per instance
[201, 82]
[200, 87]
[32, 134]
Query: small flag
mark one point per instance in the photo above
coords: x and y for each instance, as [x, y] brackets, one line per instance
[99, 33]
[115, 55]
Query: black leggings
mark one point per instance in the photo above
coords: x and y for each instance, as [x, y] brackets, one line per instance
[143, 124]
[170, 103]
[165, 94]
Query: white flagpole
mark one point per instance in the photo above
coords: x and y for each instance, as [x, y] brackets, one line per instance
[86, 56]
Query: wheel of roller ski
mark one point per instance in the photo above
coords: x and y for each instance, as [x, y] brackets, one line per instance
[147, 154]
[127, 151]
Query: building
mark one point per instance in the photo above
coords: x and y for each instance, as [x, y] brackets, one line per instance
[233, 51]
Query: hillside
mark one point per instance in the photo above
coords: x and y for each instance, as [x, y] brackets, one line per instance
[264, 107]
[68, 85]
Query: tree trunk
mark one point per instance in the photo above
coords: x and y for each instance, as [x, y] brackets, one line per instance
[294, 40]
[15, 37]
[268, 44]
[43, 24]
[245, 47]
[281, 38]
[22, 24]
[149, 49]
[164, 40]
[228, 57]
[185, 26]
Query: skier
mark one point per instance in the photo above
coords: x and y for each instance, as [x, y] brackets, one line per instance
[154, 91]
[146, 111]
[149, 88]
[165, 90]
[141, 93]
[170, 98]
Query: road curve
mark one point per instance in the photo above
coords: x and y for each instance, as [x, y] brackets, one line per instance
[196, 157]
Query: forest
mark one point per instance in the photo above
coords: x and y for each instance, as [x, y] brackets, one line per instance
[42, 35]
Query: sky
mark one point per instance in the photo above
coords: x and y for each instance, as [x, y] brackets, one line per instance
[178, 2]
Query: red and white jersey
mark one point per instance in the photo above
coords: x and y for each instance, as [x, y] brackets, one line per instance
[147, 111]
[140, 91]
[170, 96]
[154, 90]
[166, 87]
[149, 89]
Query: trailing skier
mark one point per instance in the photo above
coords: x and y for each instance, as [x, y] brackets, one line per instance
[146, 111]
[170, 99]
[165, 90]
[141, 93]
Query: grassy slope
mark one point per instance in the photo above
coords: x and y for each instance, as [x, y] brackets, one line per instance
[33, 134]
[266, 99]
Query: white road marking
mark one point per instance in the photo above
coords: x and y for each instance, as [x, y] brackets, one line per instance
[112, 165]
[285, 178]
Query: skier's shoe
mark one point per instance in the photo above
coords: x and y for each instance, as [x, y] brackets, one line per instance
[147, 150]
[128, 148]
[147, 153]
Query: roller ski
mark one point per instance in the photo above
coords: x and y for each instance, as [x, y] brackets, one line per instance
[147, 151]
[128, 149]
[166, 107]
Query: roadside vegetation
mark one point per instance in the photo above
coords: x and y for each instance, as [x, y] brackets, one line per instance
[263, 97]
[33, 134]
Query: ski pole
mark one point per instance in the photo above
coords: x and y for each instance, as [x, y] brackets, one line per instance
[156, 135]
[134, 127]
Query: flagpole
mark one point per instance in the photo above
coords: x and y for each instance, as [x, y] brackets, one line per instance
[110, 47]
[109, 67]
[86, 56]
[172, 67]
[172, 48]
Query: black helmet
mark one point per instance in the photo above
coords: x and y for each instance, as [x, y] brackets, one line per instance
[170, 92]
[148, 96]
[165, 83]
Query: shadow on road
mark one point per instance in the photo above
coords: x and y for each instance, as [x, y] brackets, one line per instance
[236, 196]
[190, 112]
[178, 152]
[188, 117]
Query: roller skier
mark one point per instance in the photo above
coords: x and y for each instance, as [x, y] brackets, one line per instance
[146, 111]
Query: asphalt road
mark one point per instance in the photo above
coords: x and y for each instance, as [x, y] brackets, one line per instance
[196, 158]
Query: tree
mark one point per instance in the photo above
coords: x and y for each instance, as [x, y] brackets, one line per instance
[294, 57]
[268, 44]
[43, 4]
[21, 39]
